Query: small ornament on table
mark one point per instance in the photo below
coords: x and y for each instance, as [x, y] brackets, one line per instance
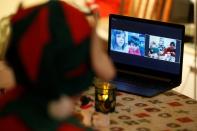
[87, 111]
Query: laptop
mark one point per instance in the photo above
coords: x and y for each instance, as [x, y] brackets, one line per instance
[148, 54]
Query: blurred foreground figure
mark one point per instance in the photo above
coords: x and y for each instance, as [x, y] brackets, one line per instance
[54, 59]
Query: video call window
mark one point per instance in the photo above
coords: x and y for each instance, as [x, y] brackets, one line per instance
[150, 46]
[128, 42]
[162, 48]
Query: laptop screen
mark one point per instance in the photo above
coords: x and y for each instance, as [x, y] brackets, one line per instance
[146, 44]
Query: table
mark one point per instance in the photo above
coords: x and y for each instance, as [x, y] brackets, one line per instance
[169, 111]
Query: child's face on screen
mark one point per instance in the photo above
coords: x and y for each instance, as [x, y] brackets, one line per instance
[172, 46]
[120, 39]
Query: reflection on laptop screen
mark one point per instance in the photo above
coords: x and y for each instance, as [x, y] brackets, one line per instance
[143, 44]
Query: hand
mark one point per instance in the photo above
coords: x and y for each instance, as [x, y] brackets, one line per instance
[101, 62]
[7, 79]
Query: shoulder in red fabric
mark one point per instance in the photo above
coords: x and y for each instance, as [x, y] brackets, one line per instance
[12, 123]
[10, 95]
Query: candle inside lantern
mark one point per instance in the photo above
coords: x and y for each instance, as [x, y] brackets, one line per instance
[106, 85]
[105, 97]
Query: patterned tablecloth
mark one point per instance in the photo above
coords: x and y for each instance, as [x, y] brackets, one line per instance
[169, 111]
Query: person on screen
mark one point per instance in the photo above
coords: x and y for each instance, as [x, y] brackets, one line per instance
[142, 45]
[161, 45]
[171, 49]
[169, 52]
[118, 41]
[134, 46]
[169, 57]
[153, 50]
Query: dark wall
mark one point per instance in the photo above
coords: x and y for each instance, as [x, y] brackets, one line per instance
[182, 11]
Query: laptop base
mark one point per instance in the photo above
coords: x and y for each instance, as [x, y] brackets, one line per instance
[146, 90]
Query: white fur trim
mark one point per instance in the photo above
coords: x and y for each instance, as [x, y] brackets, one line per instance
[62, 108]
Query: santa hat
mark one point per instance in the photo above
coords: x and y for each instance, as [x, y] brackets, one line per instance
[49, 48]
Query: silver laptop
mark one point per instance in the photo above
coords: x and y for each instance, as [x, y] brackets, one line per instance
[147, 54]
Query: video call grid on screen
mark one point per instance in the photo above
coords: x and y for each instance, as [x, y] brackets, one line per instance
[151, 46]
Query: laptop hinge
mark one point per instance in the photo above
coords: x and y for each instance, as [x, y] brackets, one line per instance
[145, 75]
